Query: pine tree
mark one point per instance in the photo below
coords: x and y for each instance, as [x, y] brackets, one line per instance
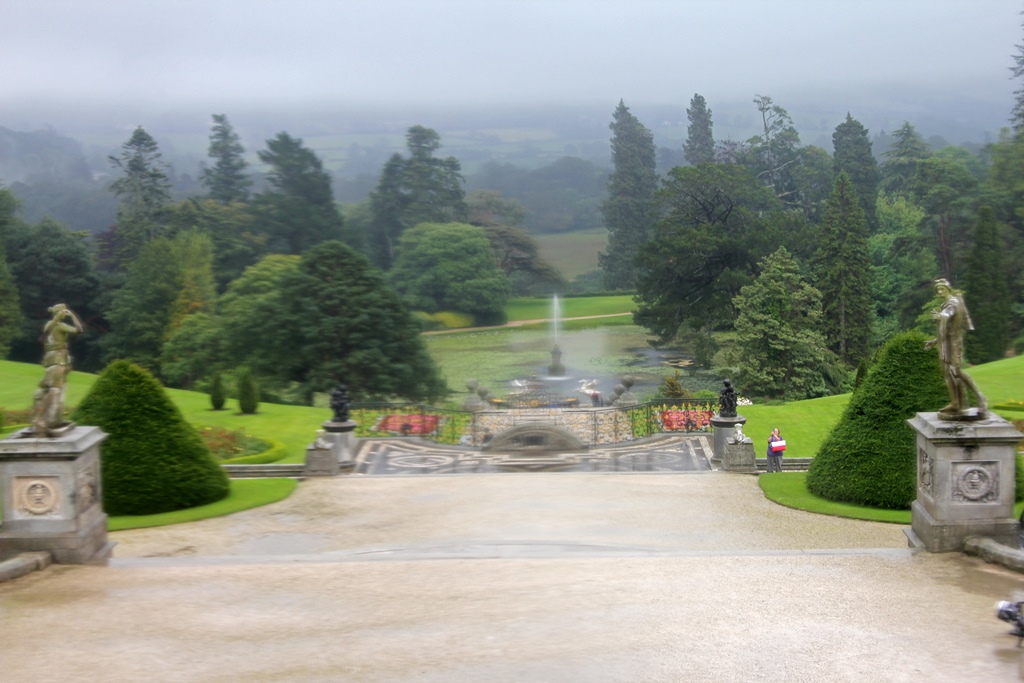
[699, 147]
[900, 165]
[227, 181]
[154, 460]
[843, 274]
[987, 292]
[853, 155]
[144, 192]
[628, 210]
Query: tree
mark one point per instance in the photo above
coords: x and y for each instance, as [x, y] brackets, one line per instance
[516, 255]
[628, 210]
[853, 155]
[144, 192]
[900, 165]
[233, 228]
[1017, 113]
[336, 319]
[218, 396]
[813, 177]
[248, 393]
[772, 155]
[946, 190]
[10, 311]
[869, 458]
[699, 147]
[153, 460]
[450, 267]
[227, 181]
[704, 248]
[298, 212]
[419, 189]
[843, 274]
[778, 332]
[988, 292]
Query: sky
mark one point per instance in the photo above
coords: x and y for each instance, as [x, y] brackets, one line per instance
[219, 54]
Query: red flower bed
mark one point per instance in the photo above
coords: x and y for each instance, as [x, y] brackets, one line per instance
[683, 420]
[407, 424]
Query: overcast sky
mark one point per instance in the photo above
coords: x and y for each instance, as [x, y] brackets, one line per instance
[220, 53]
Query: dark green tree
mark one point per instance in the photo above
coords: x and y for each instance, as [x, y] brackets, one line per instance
[813, 177]
[778, 332]
[144, 192]
[870, 457]
[704, 249]
[947, 191]
[248, 393]
[218, 396]
[450, 267]
[843, 274]
[853, 155]
[772, 156]
[298, 212]
[628, 210]
[227, 180]
[900, 166]
[699, 147]
[153, 461]
[988, 292]
[234, 229]
[420, 188]
[10, 310]
[337, 319]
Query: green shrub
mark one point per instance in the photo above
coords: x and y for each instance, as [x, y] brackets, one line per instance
[451, 320]
[869, 458]
[275, 452]
[248, 393]
[153, 460]
[217, 394]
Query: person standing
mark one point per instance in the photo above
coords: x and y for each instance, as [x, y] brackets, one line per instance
[774, 457]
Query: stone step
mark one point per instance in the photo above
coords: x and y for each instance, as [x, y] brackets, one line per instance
[794, 464]
[291, 471]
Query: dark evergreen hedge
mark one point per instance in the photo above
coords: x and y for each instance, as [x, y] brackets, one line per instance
[217, 393]
[153, 461]
[869, 458]
[248, 393]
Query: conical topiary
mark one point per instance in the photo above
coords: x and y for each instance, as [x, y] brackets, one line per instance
[248, 393]
[869, 458]
[217, 395]
[153, 461]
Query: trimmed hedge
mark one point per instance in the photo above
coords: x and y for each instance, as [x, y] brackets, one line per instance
[218, 396]
[248, 393]
[869, 458]
[276, 451]
[153, 460]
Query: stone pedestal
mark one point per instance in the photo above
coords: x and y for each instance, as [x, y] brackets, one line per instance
[723, 429]
[333, 451]
[965, 481]
[739, 456]
[51, 491]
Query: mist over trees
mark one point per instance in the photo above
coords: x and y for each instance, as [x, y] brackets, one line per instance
[248, 258]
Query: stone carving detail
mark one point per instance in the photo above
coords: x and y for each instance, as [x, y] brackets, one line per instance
[975, 482]
[925, 466]
[37, 496]
[87, 488]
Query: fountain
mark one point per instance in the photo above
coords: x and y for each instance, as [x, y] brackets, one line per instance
[556, 369]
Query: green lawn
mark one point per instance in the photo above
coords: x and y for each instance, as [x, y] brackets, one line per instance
[540, 308]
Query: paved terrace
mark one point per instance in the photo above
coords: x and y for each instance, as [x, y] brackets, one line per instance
[514, 577]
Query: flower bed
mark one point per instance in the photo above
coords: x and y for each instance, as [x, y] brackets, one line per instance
[407, 424]
[685, 420]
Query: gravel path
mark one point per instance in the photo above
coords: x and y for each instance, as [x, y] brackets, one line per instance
[518, 577]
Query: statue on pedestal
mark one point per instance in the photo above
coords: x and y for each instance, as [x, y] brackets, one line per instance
[953, 320]
[727, 400]
[48, 402]
[340, 403]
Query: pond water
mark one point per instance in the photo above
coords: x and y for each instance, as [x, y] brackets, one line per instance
[497, 357]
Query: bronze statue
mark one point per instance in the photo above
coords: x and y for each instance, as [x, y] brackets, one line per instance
[727, 400]
[48, 402]
[953, 321]
[340, 403]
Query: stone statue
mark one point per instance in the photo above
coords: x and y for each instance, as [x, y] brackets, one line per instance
[953, 320]
[340, 403]
[737, 434]
[48, 402]
[727, 400]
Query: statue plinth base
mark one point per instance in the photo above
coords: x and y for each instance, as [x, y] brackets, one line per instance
[723, 428]
[965, 481]
[52, 496]
[739, 456]
[334, 451]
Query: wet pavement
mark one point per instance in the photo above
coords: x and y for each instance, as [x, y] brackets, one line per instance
[514, 577]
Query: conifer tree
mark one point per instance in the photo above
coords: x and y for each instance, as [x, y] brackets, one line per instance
[144, 192]
[900, 165]
[217, 394]
[987, 292]
[853, 155]
[699, 147]
[628, 210]
[248, 393]
[843, 274]
[10, 311]
[227, 181]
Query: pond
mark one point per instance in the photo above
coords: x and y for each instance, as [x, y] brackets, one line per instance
[497, 357]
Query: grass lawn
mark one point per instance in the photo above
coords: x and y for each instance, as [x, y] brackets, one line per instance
[540, 308]
[245, 494]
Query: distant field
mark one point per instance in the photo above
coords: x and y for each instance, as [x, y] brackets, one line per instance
[573, 253]
[537, 308]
